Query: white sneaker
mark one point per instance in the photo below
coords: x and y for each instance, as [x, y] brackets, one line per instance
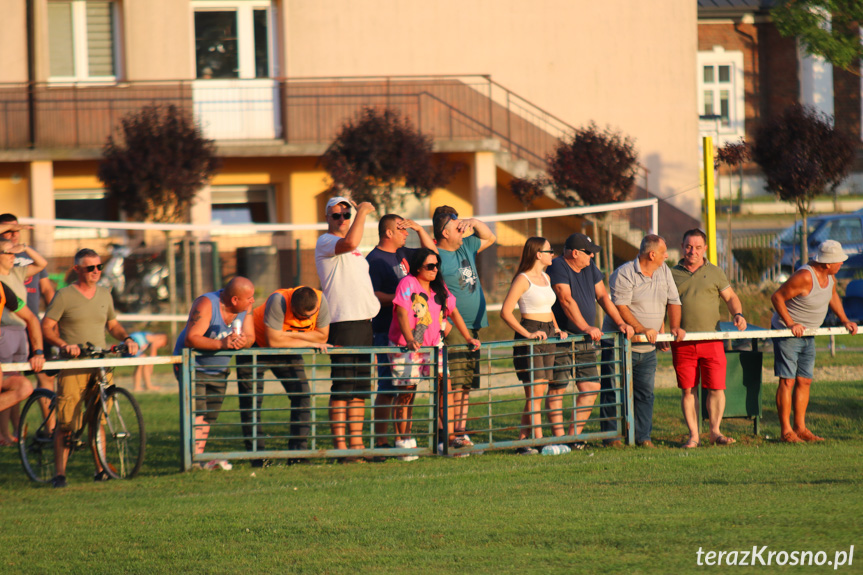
[413, 442]
[403, 444]
[218, 464]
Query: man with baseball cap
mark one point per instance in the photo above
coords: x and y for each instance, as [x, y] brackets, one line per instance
[801, 303]
[578, 286]
[347, 287]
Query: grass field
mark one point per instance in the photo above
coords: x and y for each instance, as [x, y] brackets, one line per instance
[603, 510]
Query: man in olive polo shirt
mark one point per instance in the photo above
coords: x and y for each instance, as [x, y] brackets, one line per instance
[701, 286]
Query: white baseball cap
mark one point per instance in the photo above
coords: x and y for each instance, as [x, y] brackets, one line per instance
[336, 201]
[830, 252]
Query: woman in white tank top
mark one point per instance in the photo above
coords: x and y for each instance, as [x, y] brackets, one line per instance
[531, 290]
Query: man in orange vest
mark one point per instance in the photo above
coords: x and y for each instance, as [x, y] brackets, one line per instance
[291, 318]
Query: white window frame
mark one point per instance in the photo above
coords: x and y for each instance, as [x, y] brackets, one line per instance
[736, 103]
[92, 194]
[225, 229]
[79, 42]
[245, 34]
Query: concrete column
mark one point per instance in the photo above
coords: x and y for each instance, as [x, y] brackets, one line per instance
[41, 179]
[483, 190]
[202, 212]
[483, 196]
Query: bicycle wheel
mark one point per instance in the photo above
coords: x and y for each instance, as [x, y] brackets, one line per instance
[35, 437]
[118, 434]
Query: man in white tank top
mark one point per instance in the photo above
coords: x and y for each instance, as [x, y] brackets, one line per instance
[801, 303]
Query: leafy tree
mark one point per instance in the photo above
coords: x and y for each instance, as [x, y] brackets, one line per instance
[379, 154]
[155, 167]
[802, 155]
[157, 164]
[733, 155]
[527, 190]
[826, 28]
[594, 167]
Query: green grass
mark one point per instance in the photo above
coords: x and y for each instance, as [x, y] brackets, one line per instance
[602, 510]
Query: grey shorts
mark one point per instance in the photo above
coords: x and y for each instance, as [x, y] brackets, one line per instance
[209, 394]
[794, 357]
[14, 345]
[574, 359]
[534, 363]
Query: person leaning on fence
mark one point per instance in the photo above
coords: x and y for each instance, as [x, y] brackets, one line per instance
[14, 387]
[14, 335]
[702, 286]
[801, 303]
[422, 307]
[78, 314]
[531, 290]
[643, 291]
[39, 287]
[578, 286]
[458, 268]
[291, 318]
[344, 275]
[209, 329]
[389, 262]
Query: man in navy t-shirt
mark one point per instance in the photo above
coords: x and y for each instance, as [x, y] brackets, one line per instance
[389, 262]
[577, 283]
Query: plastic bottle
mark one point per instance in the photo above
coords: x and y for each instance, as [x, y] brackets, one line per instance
[555, 449]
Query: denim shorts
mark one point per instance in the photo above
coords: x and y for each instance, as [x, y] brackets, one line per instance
[794, 357]
[385, 372]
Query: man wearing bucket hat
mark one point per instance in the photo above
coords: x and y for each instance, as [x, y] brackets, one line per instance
[801, 303]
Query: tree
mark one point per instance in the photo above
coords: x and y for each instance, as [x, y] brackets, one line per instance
[155, 167]
[157, 164]
[733, 155]
[378, 155]
[802, 155]
[826, 28]
[594, 167]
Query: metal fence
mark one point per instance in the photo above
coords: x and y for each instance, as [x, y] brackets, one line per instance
[493, 420]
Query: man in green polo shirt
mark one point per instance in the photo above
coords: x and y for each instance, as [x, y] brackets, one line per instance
[701, 285]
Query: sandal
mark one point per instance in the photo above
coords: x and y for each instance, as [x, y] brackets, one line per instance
[722, 440]
[691, 444]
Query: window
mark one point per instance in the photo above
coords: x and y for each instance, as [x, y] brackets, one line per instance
[90, 205]
[720, 94]
[232, 40]
[82, 40]
[237, 205]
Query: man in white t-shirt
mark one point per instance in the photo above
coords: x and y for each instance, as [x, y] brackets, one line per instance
[347, 286]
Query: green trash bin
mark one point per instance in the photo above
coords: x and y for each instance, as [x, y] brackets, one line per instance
[742, 382]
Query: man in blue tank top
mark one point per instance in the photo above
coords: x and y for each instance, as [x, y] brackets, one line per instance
[209, 329]
[801, 303]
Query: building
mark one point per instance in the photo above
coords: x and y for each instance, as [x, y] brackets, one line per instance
[496, 82]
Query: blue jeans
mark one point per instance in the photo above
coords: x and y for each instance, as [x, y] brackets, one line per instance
[643, 377]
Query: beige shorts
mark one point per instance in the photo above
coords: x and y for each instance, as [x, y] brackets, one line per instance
[73, 393]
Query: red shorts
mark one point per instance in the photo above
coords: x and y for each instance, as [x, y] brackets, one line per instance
[706, 357]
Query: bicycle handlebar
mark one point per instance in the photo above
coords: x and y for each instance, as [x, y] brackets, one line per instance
[88, 350]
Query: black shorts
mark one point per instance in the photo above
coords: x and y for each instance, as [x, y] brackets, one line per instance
[578, 359]
[351, 372]
[538, 360]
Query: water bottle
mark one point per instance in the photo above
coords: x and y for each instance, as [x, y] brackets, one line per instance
[237, 326]
[555, 449]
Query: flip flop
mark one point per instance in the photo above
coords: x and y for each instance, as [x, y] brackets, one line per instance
[691, 444]
[722, 440]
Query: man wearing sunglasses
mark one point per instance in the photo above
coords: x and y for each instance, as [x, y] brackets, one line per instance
[345, 281]
[578, 285]
[78, 314]
[458, 268]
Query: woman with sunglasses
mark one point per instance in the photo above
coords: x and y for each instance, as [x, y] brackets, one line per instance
[13, 329]
[531, 289]
[421, 307]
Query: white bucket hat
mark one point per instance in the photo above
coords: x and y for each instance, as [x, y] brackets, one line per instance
[830, 252]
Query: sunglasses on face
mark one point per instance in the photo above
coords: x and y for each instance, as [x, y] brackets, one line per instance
[547, 252]
[341, 216]
[431, 267]
[5, 253]
[90, 269]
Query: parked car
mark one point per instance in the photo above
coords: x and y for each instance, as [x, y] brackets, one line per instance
[847, 229]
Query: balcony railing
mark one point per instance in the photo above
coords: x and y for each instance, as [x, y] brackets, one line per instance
[292, 111]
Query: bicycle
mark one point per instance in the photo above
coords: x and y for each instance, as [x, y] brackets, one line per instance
[118, 440]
